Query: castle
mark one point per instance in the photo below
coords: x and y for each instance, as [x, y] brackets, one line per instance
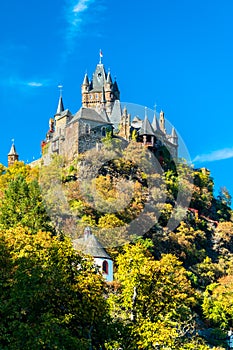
[101, 112]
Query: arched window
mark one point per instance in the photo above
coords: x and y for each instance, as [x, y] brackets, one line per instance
[103, 132]
[105, 267]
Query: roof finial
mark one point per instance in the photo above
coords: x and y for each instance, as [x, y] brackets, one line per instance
[60, 87]
[101, 56]
[145, 112]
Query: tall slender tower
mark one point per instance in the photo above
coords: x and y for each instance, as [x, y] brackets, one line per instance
[12, 155]
[100, 91]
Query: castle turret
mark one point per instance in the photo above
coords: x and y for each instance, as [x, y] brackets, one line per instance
[12, 155]
[85, 89]
[162, 122]
[125, 125]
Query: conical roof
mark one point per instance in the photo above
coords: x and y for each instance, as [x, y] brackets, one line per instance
[109, 78]
[90, 245]
[86, 80]
[174, 133]
[146, 128]
[13, 151]
[155, 124]
[60, 106]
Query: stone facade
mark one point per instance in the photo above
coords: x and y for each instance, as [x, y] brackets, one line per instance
[71, 134]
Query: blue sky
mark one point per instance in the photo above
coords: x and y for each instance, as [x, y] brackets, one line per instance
[175, 54]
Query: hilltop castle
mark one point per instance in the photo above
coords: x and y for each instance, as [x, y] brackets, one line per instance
[101, 112]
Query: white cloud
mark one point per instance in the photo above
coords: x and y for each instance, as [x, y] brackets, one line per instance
[221, 154]
[75, 16]
[16, 82]
[35, 84]
[79, 13]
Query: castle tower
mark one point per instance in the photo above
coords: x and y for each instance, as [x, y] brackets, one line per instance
[125, 125]
[100, 90]
[162, 121]
[85, 89]
[61, 117]
[12, 155]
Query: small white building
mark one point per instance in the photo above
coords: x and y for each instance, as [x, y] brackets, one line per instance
[90, 245]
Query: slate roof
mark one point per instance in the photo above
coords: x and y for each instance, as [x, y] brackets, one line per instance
[89, 114]
[86, 80]
[60, 106]
[64, 113]
[146, 128]
[116, 114]
[13, 151]
[174, 133]
[90, 245]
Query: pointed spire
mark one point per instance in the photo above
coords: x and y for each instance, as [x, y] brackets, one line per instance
[109, 78]
[174, 136]
[146, 128]
[13, 150]
[60, 106]
[12, 155]
[155, 123]
[86, 80]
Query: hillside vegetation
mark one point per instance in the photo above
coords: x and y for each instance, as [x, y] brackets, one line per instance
[170, 238]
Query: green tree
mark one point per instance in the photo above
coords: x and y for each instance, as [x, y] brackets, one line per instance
[51, 297]
[218, 302]
[153, 296]
[23, 204]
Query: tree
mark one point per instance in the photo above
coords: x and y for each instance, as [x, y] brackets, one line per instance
[23, 204]
[153, 296]
[51, 297]
[218, 302]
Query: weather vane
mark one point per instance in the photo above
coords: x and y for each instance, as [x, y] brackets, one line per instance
[60, 87]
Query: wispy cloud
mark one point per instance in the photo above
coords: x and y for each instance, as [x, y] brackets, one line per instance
[221, 154]
[34, 84]
[17, 82]
[79, 13]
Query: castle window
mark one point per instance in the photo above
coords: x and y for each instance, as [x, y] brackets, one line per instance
[103, 132]
[55, 145]
[96, 95]
[87, 129]
[105, 267]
